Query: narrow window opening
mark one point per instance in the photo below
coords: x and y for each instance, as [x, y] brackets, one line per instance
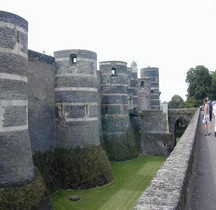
[18, 36]
[62, 110]
[142, 84]
[113, 72]
[105, 110]
[73, 58]
[86, 108]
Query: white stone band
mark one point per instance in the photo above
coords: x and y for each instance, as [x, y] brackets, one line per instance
[13, 77]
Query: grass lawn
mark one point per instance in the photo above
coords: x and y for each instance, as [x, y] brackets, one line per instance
[178, 139]
[131, 179]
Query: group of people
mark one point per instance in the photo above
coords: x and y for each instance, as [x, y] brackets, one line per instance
[207, 115]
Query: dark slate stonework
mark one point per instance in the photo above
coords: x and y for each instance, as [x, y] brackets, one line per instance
[168, 189]
[109, 99]
[155, 136]
[144, 94]
[13, 87]
[82, 53]
[41, 96]
[16, 155]
[115, 116]
[76, 82]
[17, 162]
[35, 56]
[65, 101]
[7, 64]
[113, 124]
[76, 96]
[14, 19]
[153, 74]
[15, 116]
[9, 36]
[99, 104]
[70, 134]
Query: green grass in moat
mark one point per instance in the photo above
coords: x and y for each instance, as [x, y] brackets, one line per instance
[131, 179]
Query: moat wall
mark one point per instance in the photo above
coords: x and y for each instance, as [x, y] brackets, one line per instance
[169, 188]
[155, 136]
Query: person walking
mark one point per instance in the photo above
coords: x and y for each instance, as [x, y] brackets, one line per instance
[206, 117]
[210, 108]
[210, 112]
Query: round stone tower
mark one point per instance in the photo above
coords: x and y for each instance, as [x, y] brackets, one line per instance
[144, 94]
[132, 88]
[16, 164]
[114, 88]
[153, 74]
[117, 135]
[76, 94]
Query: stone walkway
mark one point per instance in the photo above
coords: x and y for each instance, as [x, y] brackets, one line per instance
[202, 193]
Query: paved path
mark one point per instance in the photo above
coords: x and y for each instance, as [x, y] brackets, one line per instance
[203, 184]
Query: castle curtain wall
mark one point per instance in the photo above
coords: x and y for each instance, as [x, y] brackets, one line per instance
[41, 96]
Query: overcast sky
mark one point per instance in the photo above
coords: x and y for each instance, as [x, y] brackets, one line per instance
[173, 35]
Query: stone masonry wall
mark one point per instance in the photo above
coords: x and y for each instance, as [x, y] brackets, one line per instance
[16, 164]
[155, 138]
[76, 97]
[41, 96]
[168, 188]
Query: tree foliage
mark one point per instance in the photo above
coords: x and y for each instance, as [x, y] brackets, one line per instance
[176, 102]
[201, 83]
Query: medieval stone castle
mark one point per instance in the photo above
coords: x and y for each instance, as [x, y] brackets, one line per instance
[63, 101]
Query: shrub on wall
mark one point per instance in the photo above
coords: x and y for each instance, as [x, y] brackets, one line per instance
[84, 167]
[31, 196]
[74, 168]
[120, 147]
[48, 167]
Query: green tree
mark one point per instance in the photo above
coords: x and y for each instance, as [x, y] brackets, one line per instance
[199, 82]
[176, 102]
[213, 74]
[190, 102]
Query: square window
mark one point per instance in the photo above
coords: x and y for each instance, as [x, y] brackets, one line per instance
[73, 58]
[113, 72]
